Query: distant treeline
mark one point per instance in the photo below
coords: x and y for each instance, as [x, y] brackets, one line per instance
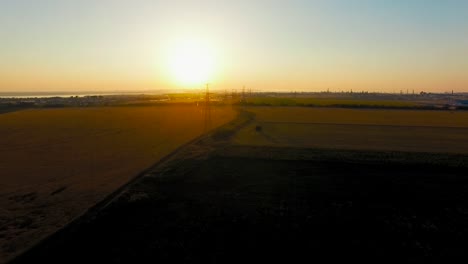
[345, 103]
[5, 108]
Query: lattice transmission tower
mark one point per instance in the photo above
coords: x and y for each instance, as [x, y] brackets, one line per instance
[207, 110]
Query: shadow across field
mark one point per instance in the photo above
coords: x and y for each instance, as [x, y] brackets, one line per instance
[215, 202]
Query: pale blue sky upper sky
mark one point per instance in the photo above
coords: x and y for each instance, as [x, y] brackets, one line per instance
[291, 45]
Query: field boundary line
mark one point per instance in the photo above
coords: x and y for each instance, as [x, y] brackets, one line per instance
[359, 124]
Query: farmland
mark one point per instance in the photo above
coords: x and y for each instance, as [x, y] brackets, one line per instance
[56, 163]
[360, 129]
[290, 183]
[229, 197]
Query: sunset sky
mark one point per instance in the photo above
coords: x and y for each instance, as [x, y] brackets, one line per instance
[374, 45]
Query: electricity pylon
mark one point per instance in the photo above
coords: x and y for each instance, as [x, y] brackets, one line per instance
[207, 110]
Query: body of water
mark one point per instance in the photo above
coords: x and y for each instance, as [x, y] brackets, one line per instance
[69, 94]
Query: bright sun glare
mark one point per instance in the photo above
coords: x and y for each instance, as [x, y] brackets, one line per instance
[192, 63]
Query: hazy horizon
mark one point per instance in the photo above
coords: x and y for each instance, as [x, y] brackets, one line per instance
[376, 46]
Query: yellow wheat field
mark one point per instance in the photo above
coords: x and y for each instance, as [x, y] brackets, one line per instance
[55, 163]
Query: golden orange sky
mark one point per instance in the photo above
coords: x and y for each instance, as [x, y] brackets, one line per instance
[267, 45]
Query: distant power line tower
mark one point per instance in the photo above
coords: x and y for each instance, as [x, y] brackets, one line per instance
[243, 95]
[207, 110]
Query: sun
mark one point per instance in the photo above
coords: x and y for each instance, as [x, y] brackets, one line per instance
[192, 63]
